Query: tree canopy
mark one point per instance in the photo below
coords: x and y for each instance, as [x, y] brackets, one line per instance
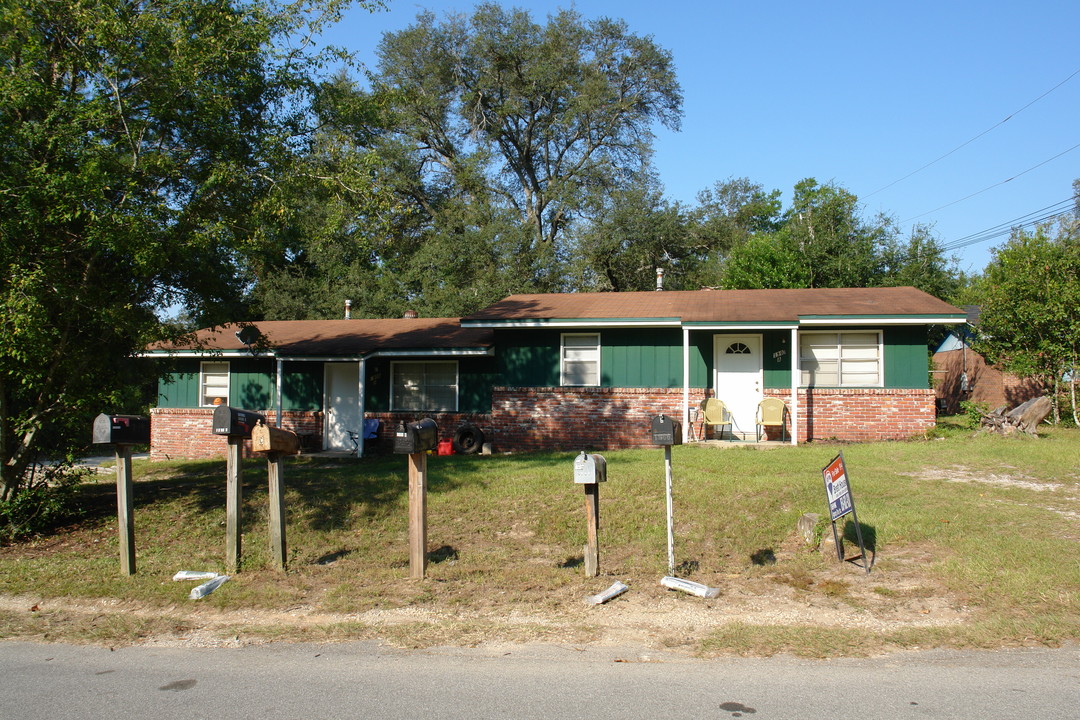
[139, 147]
[1029, 295]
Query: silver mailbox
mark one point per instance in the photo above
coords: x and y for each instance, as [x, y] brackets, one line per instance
[589, 469]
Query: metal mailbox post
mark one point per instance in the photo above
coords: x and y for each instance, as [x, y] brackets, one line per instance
[415, 440]
[237, 425]
[668, 432]
[123, 431]
[590, 471]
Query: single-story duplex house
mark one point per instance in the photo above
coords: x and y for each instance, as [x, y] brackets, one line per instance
[575, 370]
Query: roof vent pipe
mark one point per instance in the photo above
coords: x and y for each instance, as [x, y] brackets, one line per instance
[348, 309]
[659, 279]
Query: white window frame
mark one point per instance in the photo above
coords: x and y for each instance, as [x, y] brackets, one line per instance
[395, 400]
[207, 399]
[847, 364]
[566, 378]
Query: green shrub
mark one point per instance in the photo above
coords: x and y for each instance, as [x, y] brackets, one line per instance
[974, 412]
[46, 500]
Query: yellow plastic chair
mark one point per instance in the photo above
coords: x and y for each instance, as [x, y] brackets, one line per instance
[713, 413]
[771, 412]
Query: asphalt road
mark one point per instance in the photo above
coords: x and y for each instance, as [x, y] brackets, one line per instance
[363, 680]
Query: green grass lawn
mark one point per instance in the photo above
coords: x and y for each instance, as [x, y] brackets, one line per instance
[988, 523]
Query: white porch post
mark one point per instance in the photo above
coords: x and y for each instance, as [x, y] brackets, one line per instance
[795, 373]
[362, 373]
[686, 384]
[277, 393]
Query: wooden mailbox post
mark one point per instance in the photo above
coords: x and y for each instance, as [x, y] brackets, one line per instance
[415, 440]
[590, 471]
[237, 426]
[275, 443]
[123, 431]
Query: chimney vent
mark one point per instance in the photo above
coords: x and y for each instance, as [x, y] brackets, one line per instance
[348, 309]
[411, 314]
[659, 279]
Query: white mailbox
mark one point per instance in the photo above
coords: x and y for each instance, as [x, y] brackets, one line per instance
[590, 469]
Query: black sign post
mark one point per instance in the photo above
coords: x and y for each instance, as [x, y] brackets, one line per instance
[841, 502]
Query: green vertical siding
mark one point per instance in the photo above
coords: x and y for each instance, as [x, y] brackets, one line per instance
[907, 360]
[179, 386]
[645, 358]
[302, 386]
[251, 383]
[476, 377]
[528, 358]
[638, 357]
[776, 356]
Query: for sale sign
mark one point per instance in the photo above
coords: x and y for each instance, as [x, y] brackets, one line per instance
[836, 488]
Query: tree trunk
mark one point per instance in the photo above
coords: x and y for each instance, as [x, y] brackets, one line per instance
[1025, 417]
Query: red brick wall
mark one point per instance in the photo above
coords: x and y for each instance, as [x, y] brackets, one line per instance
[546, 418]
[185, 432]
[587, 418]
[986, 383]
[862, 414]
[551, 418]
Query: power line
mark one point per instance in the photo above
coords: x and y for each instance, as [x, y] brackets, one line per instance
[1037, 217]
[991, 187]
[984, 132]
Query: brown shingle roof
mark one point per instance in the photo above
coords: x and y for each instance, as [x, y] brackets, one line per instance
[785, 305]
[342, 337]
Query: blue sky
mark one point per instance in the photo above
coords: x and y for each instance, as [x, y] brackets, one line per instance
[862, 94]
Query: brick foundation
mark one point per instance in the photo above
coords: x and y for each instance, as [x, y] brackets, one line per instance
[862, 414]
[600, 418]
[555, 418]
[185, 432]
[552, 418]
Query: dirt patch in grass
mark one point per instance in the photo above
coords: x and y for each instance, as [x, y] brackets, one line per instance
[898, 594]
[503, 567]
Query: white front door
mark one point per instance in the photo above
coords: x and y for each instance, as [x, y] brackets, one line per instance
[342, 403]
[737, 379]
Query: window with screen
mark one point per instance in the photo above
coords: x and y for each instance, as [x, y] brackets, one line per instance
[213, 384]
[580, 359]
[841, 359]
[427, 386]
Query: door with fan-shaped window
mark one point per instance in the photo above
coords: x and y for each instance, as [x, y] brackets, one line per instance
[737, 379]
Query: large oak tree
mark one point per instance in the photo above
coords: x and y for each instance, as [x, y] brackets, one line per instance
[139, 143]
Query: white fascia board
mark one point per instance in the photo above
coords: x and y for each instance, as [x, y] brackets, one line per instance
[584, 323]
[447, 352]
[727, 327]
[884, 320]
[204, 354]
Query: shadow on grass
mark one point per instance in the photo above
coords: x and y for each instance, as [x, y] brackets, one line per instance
[765, 556]
[333, 491]
[869, 539]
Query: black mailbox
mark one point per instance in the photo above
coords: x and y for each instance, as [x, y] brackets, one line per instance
[235, 423]
[666, 431]
[416, 437]
[122, 429]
